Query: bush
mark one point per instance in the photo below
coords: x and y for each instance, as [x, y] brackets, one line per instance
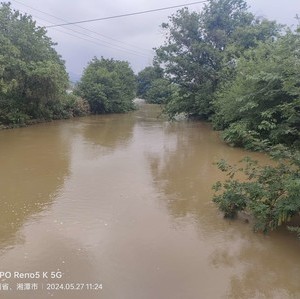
[76, 106]
[269, 193]
[108, 85]
[14, 117]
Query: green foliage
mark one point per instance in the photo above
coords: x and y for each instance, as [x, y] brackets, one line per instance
[12, 115]
[269, 193]
[263, 101]
[201, 50]
[145, 78]
[190, 63]
[70, 105]
[239, 135]
[32, 74]
[160, 92]
[108, 85]
[153, 87]
[222, 19]
[76, 106]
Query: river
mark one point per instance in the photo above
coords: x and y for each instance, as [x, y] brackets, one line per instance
[119, 207]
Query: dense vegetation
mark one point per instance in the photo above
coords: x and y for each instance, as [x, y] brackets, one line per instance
[241, 73]
[262, 103]
[269, 193]
[153, 86]
[200, 49]
[108, 85]
[33, 79]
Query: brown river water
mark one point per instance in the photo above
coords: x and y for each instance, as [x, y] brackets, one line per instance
[119, 207]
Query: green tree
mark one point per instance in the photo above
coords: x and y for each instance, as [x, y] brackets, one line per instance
[190, 63]
[200, 49]
[192, 52]
[145, 78]
[32, 74]
[262, 103]
[153, 86]
[108, 85]
[161, 92]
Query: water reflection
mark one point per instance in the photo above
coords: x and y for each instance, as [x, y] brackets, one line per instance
[109, 131]
[259, 265]
[34, 163]
[184, 172]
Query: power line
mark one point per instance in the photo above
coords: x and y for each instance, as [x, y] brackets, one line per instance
[103, 45]
[94, 32]
[127, 15]
[98, 42]
[95, 40]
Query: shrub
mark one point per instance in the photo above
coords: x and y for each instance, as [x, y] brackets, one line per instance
[269, 193]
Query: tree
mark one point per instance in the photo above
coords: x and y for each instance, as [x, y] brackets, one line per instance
[262, 103]
[108, 85]
[221, 19]
[200, 49]
[153, 86]
[189, 62]
[32, 74]
[145, 78]
[161, 92]
[192, 52]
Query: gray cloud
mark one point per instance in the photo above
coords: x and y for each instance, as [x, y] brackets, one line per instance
[133, 34]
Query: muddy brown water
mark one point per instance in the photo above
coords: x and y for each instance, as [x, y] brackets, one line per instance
[119, 206]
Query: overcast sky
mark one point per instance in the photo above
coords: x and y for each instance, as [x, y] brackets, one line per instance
[128, 38]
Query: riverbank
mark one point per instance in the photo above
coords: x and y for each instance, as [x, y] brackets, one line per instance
[83, 112]
[28, 123]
